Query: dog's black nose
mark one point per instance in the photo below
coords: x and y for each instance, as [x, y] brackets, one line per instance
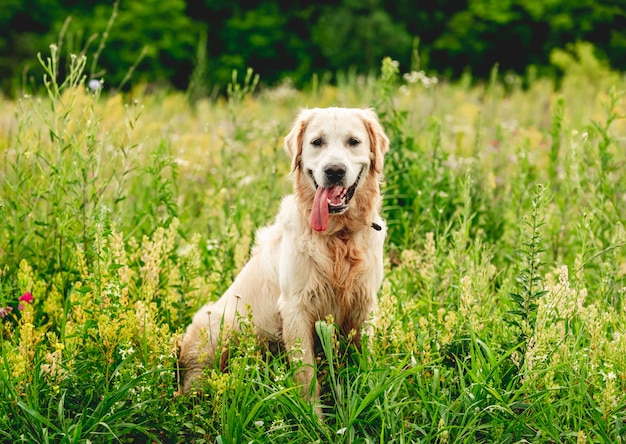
[335, 172]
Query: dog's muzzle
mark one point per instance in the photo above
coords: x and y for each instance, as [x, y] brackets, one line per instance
[340, 196]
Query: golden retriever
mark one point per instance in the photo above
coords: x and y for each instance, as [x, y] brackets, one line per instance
[322, 256]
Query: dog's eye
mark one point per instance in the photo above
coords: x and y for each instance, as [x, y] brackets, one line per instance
[317, 142]
[353, 141]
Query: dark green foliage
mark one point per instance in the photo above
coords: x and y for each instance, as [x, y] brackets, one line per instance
[519, 33]
[158, 40]
[158, 31]
[357, 34]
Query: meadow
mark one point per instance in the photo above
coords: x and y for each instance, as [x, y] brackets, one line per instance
[501, 317]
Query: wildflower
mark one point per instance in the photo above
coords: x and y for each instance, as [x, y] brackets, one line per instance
[608, 376]
[126, 352]
[26, 297]
[95, 85]
[5, 311]
[420, 77]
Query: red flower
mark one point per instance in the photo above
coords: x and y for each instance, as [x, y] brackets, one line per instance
[26, 297]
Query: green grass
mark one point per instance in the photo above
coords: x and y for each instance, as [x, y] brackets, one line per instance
[501, 315]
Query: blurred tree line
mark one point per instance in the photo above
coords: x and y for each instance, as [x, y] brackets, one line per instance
[172, 41]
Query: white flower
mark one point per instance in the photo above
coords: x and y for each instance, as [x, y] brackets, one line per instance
[95, 84]
[127, 352]
[420, 77]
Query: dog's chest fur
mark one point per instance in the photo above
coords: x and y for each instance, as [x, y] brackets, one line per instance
[342, 288]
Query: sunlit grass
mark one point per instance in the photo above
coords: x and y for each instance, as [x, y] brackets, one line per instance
[501, 316]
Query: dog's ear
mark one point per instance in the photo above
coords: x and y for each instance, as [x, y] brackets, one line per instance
[293, 140]
[379, 142]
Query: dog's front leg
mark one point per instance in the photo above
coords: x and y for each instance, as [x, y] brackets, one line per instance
[298, 339]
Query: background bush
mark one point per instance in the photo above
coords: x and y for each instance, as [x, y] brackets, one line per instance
[167, 41]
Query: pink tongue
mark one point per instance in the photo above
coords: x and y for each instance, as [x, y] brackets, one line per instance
[319, 212]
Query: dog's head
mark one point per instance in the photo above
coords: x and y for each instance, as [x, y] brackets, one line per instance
[334, 152]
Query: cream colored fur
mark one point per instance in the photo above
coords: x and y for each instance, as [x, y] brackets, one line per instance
[297, 276]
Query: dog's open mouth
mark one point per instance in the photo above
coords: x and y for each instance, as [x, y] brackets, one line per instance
[333, 200]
